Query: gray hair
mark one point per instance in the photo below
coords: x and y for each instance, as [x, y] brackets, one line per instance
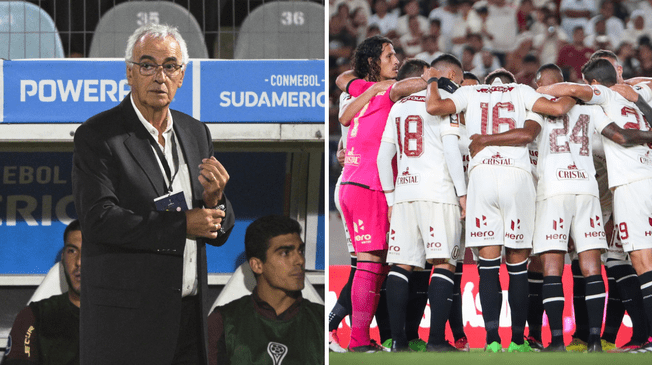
[158, 31]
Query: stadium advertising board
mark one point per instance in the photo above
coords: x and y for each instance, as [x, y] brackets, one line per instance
[472, 310]
[36, 204]
[70, 91]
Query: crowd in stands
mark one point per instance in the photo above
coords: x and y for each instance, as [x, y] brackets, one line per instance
[519, 35]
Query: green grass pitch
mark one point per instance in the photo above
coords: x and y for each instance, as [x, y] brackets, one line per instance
[478, 357]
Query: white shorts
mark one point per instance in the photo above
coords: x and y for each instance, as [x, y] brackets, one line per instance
[423, 230]
[633, 214]
[500, 207]
[615, 250]
[336, 195]
[579, 215]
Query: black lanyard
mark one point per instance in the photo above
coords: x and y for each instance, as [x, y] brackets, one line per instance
[164, 161]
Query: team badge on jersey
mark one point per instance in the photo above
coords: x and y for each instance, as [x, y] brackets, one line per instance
[277, 352]
[596, 91]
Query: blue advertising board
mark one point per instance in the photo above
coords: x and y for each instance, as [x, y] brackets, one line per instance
[36, 204]
[70, 91]
[245, 91]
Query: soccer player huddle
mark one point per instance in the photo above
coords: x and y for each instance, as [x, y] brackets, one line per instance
[435, 161]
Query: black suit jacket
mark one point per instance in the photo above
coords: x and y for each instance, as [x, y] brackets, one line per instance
[132, 256]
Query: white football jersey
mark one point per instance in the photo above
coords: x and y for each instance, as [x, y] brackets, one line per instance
[644, 91]
[463, 144]
[565, 163]
[493, 109]
[600, 163]
[624, 164]
[422, 170]
[345, 99]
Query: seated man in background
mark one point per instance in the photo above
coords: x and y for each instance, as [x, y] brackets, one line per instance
[273, 325]
[47, 331]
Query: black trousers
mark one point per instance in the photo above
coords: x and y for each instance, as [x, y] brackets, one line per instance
[190, 347]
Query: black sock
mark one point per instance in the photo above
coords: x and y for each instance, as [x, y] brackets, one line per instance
[646, 289]
[342, 308]
[579, 304]
[595, 295]
[535, 304]
[629, 288]
[440, 294]
[615, 309]
[553, 302]
[491, 296]
[418, 299]
[382, 314]
[398, 283]
[455, 318]
[518, 299]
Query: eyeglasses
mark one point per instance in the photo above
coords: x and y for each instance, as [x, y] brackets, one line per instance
[149, 68]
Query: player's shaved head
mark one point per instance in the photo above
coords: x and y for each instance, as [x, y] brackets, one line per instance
[505, 76]
[412, 68]
[447, 62]
[601, 71]
[548, 74]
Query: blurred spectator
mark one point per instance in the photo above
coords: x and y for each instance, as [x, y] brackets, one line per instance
[614, 27]
[411, 8]
[539, 25]
[600, 38]
[342, 40]
[468, 53]
[463, 26]
[576, 13]
[359, 24]
[645, 58]
[528, 70]
[411, 42]
[351, 5]
[484, 62]
[435, 31]
[430, 49]
[448, 17]
[549, 43]
[573, 56]
[636, 27]
[372, 31]
[479, 17]
[627, 56]
[501, 24]
[525, 15]
[385, 20]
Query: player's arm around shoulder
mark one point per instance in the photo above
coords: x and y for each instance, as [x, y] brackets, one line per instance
[580, 91]
[435, 105]
[626, 137]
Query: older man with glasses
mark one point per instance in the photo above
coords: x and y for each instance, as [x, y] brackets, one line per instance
[150, 196]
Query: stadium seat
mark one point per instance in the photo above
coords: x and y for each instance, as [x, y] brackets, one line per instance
[282, 30]
[115, 27]
[27, 31]
[242, 282]
[54, 283]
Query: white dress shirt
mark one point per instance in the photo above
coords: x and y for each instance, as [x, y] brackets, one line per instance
[181, 182]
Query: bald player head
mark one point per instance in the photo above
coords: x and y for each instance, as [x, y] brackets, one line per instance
[548, 74]
[449, 66]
